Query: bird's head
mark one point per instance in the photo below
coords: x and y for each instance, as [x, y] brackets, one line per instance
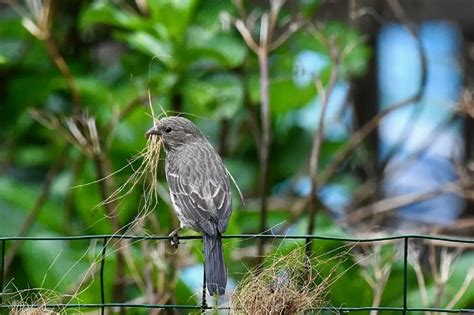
[175, 132]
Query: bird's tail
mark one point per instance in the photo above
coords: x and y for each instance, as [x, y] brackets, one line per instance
[214, 264]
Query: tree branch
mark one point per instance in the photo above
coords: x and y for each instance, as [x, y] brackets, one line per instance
[365, 130]
[266, 138]
[62, 66]
[268, 22]
[396, 202]
[317, 140]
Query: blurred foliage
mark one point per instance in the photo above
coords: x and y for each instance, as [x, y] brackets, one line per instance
[183, 53]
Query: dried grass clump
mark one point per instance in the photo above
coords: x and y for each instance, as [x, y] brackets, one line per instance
[146, 173]
[286, 284]
[151, 160]
[33, 302]
[36, 310]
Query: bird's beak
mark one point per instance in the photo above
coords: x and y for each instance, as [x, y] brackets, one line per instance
[153, 131]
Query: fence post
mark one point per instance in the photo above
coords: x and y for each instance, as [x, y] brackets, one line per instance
[102, 267]
[405, 273]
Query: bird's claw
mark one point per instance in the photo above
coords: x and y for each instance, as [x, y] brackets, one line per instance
[174, 238]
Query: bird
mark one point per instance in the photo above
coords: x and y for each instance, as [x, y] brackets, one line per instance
[199, 189]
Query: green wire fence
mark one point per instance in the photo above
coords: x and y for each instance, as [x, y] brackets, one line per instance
[404, 309]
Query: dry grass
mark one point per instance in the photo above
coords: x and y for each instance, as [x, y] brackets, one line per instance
[151, 160]
[146, 173]
[287, 284]
[36, 310]
[33, 302]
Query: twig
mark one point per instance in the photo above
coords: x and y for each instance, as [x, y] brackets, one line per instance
[396, 202]
[465, 285]
[38, 22]
[416, 265]
[247, 36]
[89, 140]
[317, 140]
[403, 18]
[382, 275]
[358, 137]
[365, 130]
[456, 226]
[65, 71]
[266, 137]
[293, 27]
[268, 22]
[381, 271]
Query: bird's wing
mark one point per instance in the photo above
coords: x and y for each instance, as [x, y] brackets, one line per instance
[201, 191]
[222, 198]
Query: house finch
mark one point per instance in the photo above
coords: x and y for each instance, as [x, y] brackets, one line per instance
[199, 190]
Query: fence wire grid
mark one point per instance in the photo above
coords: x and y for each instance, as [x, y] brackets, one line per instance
[103, 305]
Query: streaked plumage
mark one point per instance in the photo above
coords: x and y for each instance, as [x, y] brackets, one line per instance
[199, 189]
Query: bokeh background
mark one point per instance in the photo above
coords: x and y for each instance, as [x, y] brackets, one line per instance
[364, 107]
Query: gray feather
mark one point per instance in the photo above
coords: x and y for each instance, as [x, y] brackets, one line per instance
[200, 191]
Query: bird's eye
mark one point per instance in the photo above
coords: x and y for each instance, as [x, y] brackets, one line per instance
[168, 129]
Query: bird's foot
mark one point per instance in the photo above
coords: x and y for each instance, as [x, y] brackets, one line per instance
[174, 238]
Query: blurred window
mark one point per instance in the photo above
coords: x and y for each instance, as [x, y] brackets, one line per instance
[421, 141]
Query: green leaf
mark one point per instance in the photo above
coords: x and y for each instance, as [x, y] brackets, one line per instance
[208, 13]
[39, 258]
[151, 46]
[219, 96]
[309, 7]
[244, 174]
[104, 13]
[10, 49]
[23, 197]
[285, 95]
[354, 52]
[32, 155]
[224, 48]
[31, 89]
[93, 91]
[175, 16]
[184, 295]
[10, 216]
[198, 94]
[11, 26]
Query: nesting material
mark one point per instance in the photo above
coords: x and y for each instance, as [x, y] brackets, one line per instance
[287, 284]
[39, 310]
[33, 302]
[151, 161]
[147, 173]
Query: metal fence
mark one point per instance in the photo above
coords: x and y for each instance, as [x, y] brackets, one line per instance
[103, 305]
